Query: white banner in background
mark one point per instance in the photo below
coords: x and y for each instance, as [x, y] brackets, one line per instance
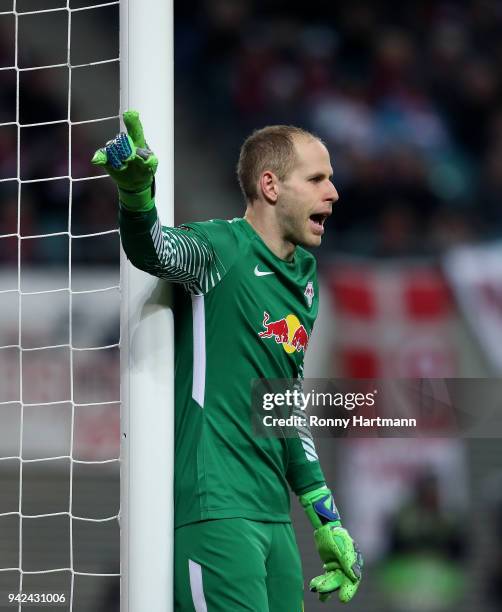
[387, 473]
[58, 400]
[475, 274]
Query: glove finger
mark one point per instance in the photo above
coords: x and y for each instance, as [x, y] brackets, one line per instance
[144, 153]
[315, 583]
[118, 150]
[336, 581]
[332, 566]
[112, 155]
[328, 582]
[99, 158]
[152, 162]
[324, 596]
[134, 128]
[348, 590]
[124, 146]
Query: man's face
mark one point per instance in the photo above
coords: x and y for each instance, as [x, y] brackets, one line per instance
[307, 195]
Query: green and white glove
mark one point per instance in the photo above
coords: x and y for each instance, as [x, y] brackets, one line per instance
[342, 559]
[131, 164]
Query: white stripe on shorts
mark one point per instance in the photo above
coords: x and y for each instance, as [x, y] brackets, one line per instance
[199, 601]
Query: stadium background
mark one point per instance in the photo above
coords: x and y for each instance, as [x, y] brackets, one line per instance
[407, 97]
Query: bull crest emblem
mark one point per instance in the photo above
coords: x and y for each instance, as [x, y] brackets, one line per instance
[309, 293]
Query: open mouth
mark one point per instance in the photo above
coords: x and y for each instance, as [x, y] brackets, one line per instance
[317, 222]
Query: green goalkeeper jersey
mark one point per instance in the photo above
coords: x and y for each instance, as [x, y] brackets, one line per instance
[241, 313]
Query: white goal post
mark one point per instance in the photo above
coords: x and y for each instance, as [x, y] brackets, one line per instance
[147, 337]
[59, 392]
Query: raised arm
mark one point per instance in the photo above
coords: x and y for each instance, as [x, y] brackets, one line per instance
[183, 255]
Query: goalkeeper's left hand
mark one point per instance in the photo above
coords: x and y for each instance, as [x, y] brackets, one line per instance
[342, 559]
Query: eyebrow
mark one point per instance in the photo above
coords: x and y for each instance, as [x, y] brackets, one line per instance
[319, 175]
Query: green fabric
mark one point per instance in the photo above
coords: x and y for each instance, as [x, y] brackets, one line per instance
[141, 201]
[324, 497]
[172, 253]
[245, 566]
[134, 178]
[222, 469]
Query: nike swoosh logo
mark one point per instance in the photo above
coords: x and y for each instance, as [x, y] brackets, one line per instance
[260, 273]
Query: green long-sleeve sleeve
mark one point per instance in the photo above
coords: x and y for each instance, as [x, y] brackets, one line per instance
[177, 254]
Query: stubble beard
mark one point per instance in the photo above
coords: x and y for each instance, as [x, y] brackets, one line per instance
[295, 228]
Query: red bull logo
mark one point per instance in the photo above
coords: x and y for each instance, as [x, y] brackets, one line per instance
[287, 331]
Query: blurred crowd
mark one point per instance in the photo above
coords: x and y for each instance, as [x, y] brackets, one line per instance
[407, 96]
[40, 100]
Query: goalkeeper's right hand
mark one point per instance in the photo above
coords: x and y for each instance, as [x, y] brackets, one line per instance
[131, 164]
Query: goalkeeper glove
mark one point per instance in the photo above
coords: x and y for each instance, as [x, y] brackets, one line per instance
[131, 164]
[342, 559]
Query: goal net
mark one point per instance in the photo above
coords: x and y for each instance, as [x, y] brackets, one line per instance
[59, 304]
[66, 403]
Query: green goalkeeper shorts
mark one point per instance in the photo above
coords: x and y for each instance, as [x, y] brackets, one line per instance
[232, 565]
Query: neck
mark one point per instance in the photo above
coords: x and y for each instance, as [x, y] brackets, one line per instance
[269, 231]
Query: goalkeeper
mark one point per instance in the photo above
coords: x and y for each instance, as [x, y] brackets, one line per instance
[246, 298]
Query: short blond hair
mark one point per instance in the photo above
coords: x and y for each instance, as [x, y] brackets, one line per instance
[270, 148]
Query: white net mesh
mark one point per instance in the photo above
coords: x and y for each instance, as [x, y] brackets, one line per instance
[59, 298]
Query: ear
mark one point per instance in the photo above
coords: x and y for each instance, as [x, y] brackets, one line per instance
[269, 186]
